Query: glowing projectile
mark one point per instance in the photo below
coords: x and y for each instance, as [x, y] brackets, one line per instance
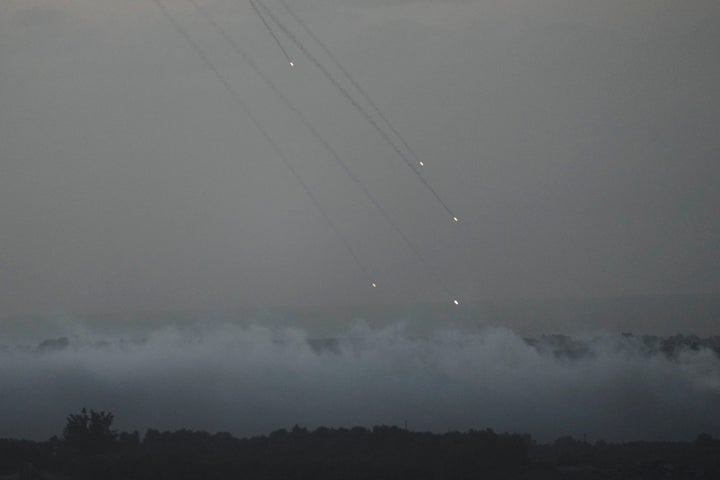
[258, 4]
[267, 26]
[422, 164]
[456, 219]
[456, 302]
[292, 64]
[374, 285]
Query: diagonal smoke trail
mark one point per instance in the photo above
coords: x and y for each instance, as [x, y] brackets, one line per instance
[333, 153]
[352, 81]
[277, 40]
[357, 106]
[273, 144]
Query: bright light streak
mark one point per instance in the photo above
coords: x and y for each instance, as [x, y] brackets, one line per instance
[456, 302]
[292, 64]
[374, 285]
[422, 164]
[456, 219]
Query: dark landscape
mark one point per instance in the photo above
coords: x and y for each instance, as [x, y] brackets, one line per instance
[90, 449]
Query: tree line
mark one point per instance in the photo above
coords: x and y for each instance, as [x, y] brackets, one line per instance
[90, 449]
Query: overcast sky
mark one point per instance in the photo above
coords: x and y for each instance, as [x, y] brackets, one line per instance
[578, 141]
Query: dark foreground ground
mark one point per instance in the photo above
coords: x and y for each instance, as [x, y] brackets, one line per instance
[90, 450]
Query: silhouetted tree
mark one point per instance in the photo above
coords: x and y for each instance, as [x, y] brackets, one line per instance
[89, 432]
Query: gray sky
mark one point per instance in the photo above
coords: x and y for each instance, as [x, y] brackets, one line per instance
[577, 141]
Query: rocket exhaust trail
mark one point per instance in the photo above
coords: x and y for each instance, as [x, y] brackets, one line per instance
[333, 153]
[357, 106]
[352, 81]
[273, 144]
[267, 26]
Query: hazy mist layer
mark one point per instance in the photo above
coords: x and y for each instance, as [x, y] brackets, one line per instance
[253, 379]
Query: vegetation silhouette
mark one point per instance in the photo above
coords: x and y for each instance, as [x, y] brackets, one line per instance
[90, 432]
[90, 449]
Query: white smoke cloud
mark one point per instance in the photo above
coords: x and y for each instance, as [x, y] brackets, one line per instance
[253, 379]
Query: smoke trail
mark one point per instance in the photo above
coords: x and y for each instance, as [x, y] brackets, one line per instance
[358, 107]
[352, 81]
[267, 26]
[273, 144]
[326, 145]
